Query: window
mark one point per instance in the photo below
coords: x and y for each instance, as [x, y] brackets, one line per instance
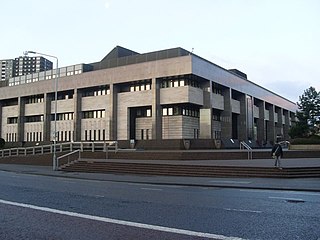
[35, 99]
[180, 110]
[148, 112]
[179, 81]
[12, 120]
[140, 86]
[164, 111]
[94, 114]
[34, 118]
[63, 116]
[96, 91]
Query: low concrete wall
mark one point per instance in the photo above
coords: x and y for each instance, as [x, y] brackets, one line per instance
[304, 147]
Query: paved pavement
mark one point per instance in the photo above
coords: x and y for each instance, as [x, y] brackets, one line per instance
[297, 184]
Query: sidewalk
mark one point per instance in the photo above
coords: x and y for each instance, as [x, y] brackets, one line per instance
[296, 184]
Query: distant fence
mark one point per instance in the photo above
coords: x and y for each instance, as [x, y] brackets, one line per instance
[105, 146]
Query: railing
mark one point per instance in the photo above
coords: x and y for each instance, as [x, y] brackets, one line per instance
[244, 145]
[105, 146]
[68, 155]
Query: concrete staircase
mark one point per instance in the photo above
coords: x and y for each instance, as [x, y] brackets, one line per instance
[100, 166]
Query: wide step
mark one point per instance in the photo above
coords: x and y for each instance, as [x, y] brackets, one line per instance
[188, 170]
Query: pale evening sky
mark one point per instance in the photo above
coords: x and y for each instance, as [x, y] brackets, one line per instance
[275, 42]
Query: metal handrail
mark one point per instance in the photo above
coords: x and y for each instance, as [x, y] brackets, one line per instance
[69, 154]
[104, 146]
[244, 145]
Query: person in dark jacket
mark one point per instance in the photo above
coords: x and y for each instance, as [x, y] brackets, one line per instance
[277, 154]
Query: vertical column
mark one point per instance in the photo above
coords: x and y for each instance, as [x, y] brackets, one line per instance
[47, 132]
[286, 126]
[226, 115]
[21, 109]
[271, 124]
[243, 118]
[113, 111]
[261, 127]
[206, 112]
[279, 124]
[77, 115]
[156, 110]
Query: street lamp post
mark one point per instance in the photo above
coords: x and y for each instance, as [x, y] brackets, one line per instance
[54, 159]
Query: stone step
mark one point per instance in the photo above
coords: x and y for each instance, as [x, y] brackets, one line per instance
[188, 170]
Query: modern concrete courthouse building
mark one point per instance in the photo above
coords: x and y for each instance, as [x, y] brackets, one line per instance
[159, 97]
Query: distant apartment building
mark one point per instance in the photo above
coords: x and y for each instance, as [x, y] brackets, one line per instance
[26, 65]
[22, 66]
[170, 94]
[6, 67]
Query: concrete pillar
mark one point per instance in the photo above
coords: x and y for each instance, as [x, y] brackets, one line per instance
[156, 110]
[21, 109]
[226, 115]
[286, 126]
[47, 133]
[261, 128]
[279, 124]
[206, 112]
[206, 123]
[270, 124]
[243, 118]
[113, 118]
[77, 97]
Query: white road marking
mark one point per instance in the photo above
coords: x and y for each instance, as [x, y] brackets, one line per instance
[239, 182]
[257, 190]
[304, 193]
[280, 192]
[99, 196]
[242, 210]
[287, 199]
[152, 189]
[121, 222]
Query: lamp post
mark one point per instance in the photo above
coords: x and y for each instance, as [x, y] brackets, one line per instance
[54, 159]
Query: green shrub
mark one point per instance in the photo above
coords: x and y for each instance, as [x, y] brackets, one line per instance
[312, 140]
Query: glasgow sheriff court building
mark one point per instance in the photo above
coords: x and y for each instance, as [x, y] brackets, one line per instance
[156, 100]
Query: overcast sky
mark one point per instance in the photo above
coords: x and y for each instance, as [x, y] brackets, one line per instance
[275, 42]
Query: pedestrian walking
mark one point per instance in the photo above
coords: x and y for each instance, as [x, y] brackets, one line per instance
[277, 154]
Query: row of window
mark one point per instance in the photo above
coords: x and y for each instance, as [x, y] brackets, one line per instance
[35, 77]
[179, 83]
[145, 134]
[95, 135]
[140, 86]
[34, 118]
[12, 120]
[94, 114]
[144, 112]
[63, 116]
[35, 99]
[11, 137]
[60, 117]
[102, 90]
[180, 110]
[34, 136]
[64, 136]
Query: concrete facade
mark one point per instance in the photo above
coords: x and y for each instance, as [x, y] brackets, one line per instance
[169, 94]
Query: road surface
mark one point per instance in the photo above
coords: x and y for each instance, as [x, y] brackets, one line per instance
[43, 207]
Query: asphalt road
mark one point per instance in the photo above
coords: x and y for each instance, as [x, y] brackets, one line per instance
[42, 207]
